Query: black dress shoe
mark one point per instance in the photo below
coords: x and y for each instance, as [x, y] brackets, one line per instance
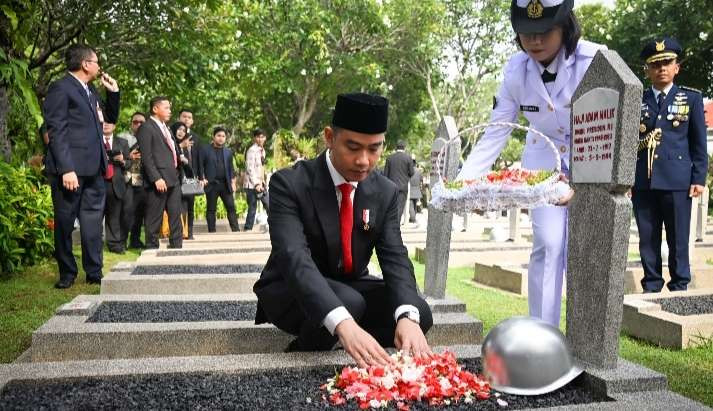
[175, 246]
[94, 280]
[62, 284]
[138, 245]
[117, 250]
[651, 291]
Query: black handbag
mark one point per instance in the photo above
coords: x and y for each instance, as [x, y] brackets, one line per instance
[191, 186]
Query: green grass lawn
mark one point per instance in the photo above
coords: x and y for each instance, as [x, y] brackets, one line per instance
[689, 372]
[28, 299]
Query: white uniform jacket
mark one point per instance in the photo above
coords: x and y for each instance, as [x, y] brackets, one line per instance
[522, 89]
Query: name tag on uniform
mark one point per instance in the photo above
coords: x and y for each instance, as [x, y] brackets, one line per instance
[532, 109]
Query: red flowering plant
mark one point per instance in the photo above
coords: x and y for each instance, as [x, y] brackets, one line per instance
[436, 380]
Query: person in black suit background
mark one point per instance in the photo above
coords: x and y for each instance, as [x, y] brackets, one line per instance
[189, 153]
[116, 224]
[399, 169]
[76, 160]
[161, 174]
[327, 216]
[135, 198]
[217, 166]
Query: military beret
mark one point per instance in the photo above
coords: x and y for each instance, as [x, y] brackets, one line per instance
[361, 112]
[538, 16]
[666, 48]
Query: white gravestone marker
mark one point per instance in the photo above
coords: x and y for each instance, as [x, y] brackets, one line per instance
[594, 117]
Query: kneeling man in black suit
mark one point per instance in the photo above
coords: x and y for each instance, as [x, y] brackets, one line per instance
[327, 215]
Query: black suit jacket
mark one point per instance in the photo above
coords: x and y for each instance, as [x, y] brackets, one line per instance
[209, 164]
[119, 179]
[399, 169]
[74, 128]
[156, 156]
[306, 245]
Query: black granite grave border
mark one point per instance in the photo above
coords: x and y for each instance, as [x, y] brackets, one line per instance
[189, 252]
[267, 390]
[687, 305]
[172, 311]
[170, 269]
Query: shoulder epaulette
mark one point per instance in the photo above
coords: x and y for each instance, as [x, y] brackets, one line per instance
[690, 89]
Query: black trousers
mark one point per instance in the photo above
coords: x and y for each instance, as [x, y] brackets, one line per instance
[188, 203]
[365, 299]
[156, 203]
[652, 210]
[413, 209]
[87, 204]
[220, 189]
[135, 200]
[252, 197]
[113, 221]
[401, 198]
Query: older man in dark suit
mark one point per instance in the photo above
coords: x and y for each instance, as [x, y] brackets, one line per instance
[326, 218]
[161, 174]
[76, 160]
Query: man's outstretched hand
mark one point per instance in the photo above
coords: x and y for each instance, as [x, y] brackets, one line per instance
[410, 339]
[360, 345]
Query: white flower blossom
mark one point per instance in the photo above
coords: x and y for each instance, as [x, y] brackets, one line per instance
[238, 34]
[608, 37]
[390, 87]
[703, 36]
[303, 72]
[186, 9]
[502, 403]
[630, 9]
[375, 403]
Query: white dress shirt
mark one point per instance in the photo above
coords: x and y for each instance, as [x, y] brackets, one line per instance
[657, 91]
[339, 314]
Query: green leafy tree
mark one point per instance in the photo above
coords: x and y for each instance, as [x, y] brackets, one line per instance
[632, 23]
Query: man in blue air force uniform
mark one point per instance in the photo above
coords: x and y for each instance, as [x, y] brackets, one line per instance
[670, 168]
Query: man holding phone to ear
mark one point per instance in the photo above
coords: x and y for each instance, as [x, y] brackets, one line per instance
[76, 160]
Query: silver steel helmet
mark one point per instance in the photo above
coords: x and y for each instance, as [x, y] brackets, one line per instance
[527, 356]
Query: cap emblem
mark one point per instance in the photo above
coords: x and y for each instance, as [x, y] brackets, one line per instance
[661, 46]
[534, 9]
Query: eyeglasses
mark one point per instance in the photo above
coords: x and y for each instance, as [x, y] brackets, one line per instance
[93, 61]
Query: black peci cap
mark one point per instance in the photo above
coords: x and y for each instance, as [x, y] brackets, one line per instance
[666, 48]
[538, 16]
[361, 112]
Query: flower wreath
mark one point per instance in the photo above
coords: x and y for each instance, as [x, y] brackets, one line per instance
[504, 189]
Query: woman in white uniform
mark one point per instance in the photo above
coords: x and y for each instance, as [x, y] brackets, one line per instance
[539, 82]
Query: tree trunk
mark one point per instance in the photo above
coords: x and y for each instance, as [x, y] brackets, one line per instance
[5, 146]
[434, 103]
[306, 105]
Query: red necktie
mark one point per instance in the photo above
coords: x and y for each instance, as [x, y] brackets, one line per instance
[346, 221]
[109, 167]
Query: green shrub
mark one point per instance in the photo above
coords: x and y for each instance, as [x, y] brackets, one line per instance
[27, 218]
